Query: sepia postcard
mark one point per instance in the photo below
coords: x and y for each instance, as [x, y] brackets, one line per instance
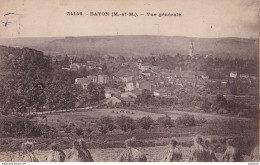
[129, 81]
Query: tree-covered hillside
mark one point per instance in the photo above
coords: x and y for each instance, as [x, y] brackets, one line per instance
[30, 80]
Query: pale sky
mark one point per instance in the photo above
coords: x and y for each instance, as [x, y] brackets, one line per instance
[200, 18]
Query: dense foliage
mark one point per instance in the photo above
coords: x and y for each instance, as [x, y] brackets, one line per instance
[106, 124]
[18, 126]
[186, 119]
[145, 122]
[125, 123]
[29, 80]
[165, 121]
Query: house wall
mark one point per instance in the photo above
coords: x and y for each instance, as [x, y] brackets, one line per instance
[102, 79]
[147, 86]
[93, 79]
[146, 74]
[108, 95]
[233, 75]
[126, 79]
[156, 93]
[128, 94]
[129, 86]
[84, 85]
[113, 100]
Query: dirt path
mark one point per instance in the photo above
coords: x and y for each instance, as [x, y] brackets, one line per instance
[64, 110]
[205, 115]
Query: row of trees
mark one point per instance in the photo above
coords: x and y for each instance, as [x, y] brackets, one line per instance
[126, 123]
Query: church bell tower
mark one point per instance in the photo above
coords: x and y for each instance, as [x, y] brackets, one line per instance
[191, 51]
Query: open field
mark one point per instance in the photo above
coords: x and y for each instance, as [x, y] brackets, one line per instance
[79, 117]
[204, 115]
[152, 142]
[154, 154]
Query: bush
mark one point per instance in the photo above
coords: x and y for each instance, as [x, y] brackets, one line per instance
[48, 132]
[72, 125]
[64, 126]
[79, 131]
[15, 126]
[35, 131]
[215, 107]
[206, 106]
[68, 130]
[222, 111]
[222, 100]
[125, 123]
[89, 130]
[106, 124]
[186, 119]
[145, 122]
[103, 129]
[201, 121]
[166, 121]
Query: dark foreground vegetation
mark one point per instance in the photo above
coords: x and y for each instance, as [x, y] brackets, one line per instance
[108, 132]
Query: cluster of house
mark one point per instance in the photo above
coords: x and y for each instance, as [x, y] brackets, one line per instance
[85, 81]
[246, 78]
[234, 74]
[249, 82]
[113, 95]
[88, 66]
[161, 82]
[138, 76]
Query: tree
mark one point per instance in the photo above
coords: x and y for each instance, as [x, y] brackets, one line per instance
[145, 97]
[25, 80]
[125, 123]
[222, 101]
[106, 124]
[145, 122]
[105, 69]
[15, 126]
[166, 121]
[186, 119]
[121, 58]
[89, 130]
[56, 62]
[79, 131]
[68, 130]
[66, 62]
[206, 106]
[96, 91]
[146, 94]
[61, 96]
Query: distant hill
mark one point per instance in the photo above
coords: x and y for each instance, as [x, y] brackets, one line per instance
[140, 45]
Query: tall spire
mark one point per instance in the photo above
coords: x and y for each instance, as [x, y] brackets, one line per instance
[191, 49]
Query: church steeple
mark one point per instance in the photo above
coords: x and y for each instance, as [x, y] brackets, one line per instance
[191, 51]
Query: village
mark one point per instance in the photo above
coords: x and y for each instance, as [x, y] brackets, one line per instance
[132, 76]
[105, 100]
[102, 101]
